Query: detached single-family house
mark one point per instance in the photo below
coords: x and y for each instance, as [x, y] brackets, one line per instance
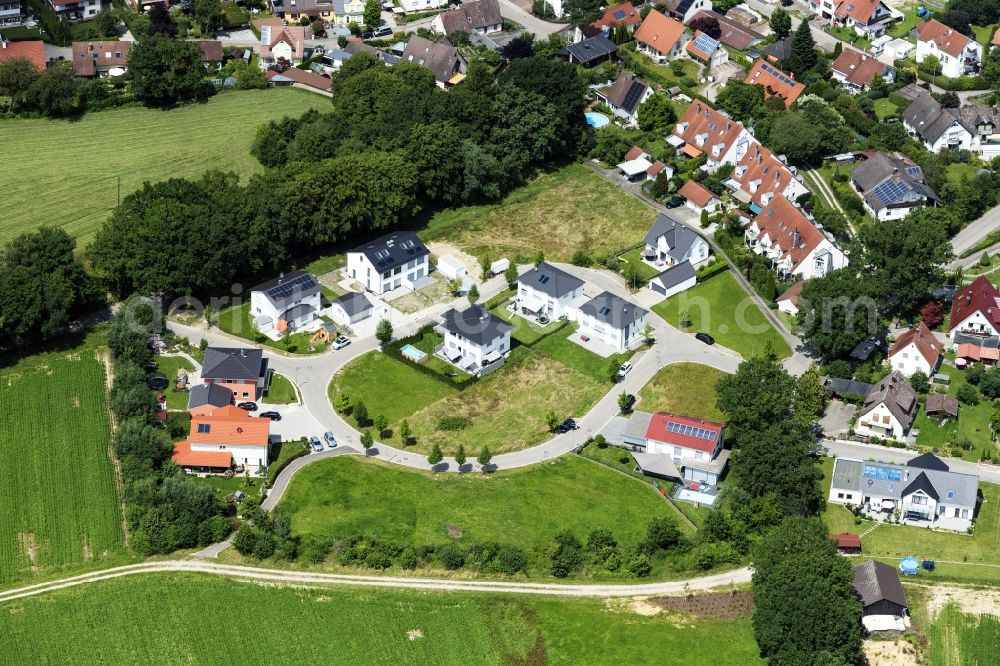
[396, 260]
[211, 53]
[889, 408]
[33, 51]
[868, 18]
[475, 339]
[959, 55]
[441, 58]
[702, 129]
[679, 277]
[77, 10]
[547, 290]
[222, 438]
[699, 197]
[788, 302]
[891, 186]
[12, 13]
[669, 242]
[706, 50]
[625, 96]
[591, 51]
[924, 492]
[975, 313]
[775, 82]
[916, 349]
[290, 302]
[243, 371]
[612, 320]
[295, 10]
[477, 16]
[792, 242]
[348, 11]
[760, 176]
[615, 15]
[351, 308]
[883, 602]
[971, 127]
[206, 398]
[280, 43]
[856, 70]
[682, 448]
[662, 38]
[97, 59]
[684, 10]
[733, 34]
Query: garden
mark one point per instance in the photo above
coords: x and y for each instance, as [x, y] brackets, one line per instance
[968, 436]
[280, 391]
[236, 320]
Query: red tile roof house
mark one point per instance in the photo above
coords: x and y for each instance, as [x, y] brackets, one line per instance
[616, 15]
[677, 447]
[699, 197]
[760, 176]
[975, 313]
[788, 302]
[782, 233]
[856, 70]
[32, 51]
[916, 349]
[775, 82]
[661, 38]
[959, 55]
[706, 51]
[92, 59]
[281, 42]
[869, 18]
[702, 129]
[222, 438]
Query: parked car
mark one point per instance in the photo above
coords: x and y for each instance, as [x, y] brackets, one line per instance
[704, 337]
[629, 402]
[341, 342]
[566, 426]
[249, 406]
[274, 416]
[316, 445]
[624, 370]
[383, 31]
[367, 34]
[330, 440]
[676, 201]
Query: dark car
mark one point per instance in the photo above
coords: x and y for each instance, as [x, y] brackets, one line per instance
[274, 416]
[249, 406]
[566, 426]
[786, 3]
[629, 402]
[704, 337]
[676, 201]
[367, 34]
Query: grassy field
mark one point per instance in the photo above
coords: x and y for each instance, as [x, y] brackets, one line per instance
[683, 388]
[349, 626]
[720, 307]
[280, 391]
[584, 361]
[557, 213]
[973, 424]
[168, 366]
[61, 507]
[960, 639]
[526, 332]
[885, 109]
[956, 172]
[75, 164]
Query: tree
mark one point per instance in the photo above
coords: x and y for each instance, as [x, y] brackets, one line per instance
[460, 457]
[950, 100]
[343, 402]
[473, 294]
[781, 23]
[623, 402]
[107, 24]
[810, 396]
[758, 395]
[160, 22]
[836, 312]
[373, 14]
[778, 459]
[381, 425]
[436, 456]
[610, 144]
[404, 432]
[510, 275]
[741, 100]
[165, 71]
[367, 441]
[383, 332]
[802, 57]
[484, 457]
[662, 533]
[582, 12]
[807, 611]
[967, 394]
[455, 287]
[656, 113]
[715, 528]
[360, 413]
[521, 46]
[54, 93]
[919, 382]
[16, 78]
[209, 15]
[567, 556]
[708, 25]
[551, 420]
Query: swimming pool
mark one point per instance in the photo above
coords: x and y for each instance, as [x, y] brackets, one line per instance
[412, 353]
[595, 119]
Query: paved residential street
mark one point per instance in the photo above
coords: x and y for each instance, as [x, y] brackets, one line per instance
[974, 232]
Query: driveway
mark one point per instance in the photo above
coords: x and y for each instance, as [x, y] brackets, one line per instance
[296, 421]
[837, 418]
[539, 28]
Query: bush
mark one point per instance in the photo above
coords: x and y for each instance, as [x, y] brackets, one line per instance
[567, 556]
[967, 394]
[984, 260]
[408, 559]
[451, 556]
[581, 258]
[709, 270]
[638, 565]
[974, 374]
[453, 423]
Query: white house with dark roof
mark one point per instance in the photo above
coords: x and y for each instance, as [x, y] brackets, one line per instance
[395, 261]
[679, 277]
[889, 409]
[625, 96]
[971, 126]
[351, 308]
[669, 242]
[924, 492]
[290, 302]
[479, 16]
[547, 291]
[475, 339]
[612, 320]
[891, 186]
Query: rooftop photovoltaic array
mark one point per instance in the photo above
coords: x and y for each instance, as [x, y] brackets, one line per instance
[705, 44]
[913, 170]
[543, 279]
[285, 289]
[884, 473]
[619, 14]
[776, 74]
[891, 190]
[691, 431]
[634, 93]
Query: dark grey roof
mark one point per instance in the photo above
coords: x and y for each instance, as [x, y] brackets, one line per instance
[865, 349]
[209, 394]
[928, 461]
[476, 324]
[876, 581]
[846, 386]
[897, 394]
[886, 180]
[780, 49]
[626, 92]
[353, 303]
[676, 274]
[478, 14]
[289, 287]
[393, 250]
[911, 91]
[927, 117]
[550, 280]
[971, 116]
[440, 57]
[679, 237]
[921, 482]
[297, 311]
[233, 363]
[592, 49]
[990, 343]
[952, 487]
[613, 310]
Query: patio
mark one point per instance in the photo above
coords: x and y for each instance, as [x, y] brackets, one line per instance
[602, 349]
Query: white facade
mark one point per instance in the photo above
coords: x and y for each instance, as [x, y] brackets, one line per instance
[696, 253]
[10, 13]
[552, 307]
[909, 360]
[472, 351]
[354, 10]
[976, 324]
[879, 422]
[955, 136]
[951, 66]
[249, 455]
[360, 269]
[788, 307]
[262, 306]
[620, 337]
[77, 11]
[631, 118]
[667, 291]
[823, 258]
[422, 5]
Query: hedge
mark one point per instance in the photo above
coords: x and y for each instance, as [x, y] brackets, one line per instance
[274, 470]
[705, 272]
[393, 350]
[961, 83]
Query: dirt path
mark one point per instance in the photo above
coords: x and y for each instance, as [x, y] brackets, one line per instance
[109, 378]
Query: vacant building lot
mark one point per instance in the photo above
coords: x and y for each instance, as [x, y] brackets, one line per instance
[683, 388]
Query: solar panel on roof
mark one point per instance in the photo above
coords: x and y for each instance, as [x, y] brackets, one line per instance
[286, 289]
[690, 431]
[605, 311]
[633, 95]
[913, 170]
[619, 15]
[705, 44]
[543, 279]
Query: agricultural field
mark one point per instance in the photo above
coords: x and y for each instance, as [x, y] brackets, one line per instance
[77, 163]
[961, 639]
[353, 625]
[61, 507]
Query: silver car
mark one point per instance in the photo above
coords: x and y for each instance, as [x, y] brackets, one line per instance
[316, 445]
[330, 440]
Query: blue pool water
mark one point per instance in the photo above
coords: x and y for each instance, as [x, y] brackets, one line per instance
[595, 119]
[412, 352]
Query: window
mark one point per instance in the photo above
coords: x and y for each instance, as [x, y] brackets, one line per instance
[919, 500]
[951, 494]
[840, 495]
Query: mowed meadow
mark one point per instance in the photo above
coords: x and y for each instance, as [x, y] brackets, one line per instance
[65, 172]
[60, 504]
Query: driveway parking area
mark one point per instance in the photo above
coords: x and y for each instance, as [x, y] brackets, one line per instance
[296, 422]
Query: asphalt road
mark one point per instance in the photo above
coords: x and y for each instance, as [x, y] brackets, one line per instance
[974, 232]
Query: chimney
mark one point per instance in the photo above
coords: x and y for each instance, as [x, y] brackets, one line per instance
[281, 277]
[243, 353]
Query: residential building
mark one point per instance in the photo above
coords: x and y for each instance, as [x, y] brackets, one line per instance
[394, 261]
[612, 320]
[699, 197]
[547, 291]
[636, 164]
[33, 51]
[916, 350]
[12, 12]
[211, 53]
[733, 33]
[294, 75]
[280, 43]
[779, 50]
[856, 70]
[679, 277]
[924, 492]
[959, 55]
[625, 96]
[669, 242]
[351, 308]
[883, 602]
[591, 51]
[222, 438]
[681, 448]
[206, 398]
[760, 176]
[975, 312]
[970, 127]
[662, 38]
[792, 242]
[616, 15]
[775, 82]
[287, 303]
[868, 18]
[441, 58]
[478, 16]
[94, 59]
[705, 50]
[77, 10]
[348, 11]
[702, 129]
[243, 371]
[891, 186]
[788, 302]
[983, 125]
[411, 6]
[475, 339]
[684, 10]
[889, 408]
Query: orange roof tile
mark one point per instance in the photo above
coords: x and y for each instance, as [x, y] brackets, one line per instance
[946, 39]
[858, 68]
[659, 32]
[780, 220]
[775, 82]
[792, 293]
[693, 49]
[926, 342]
[696, 193]
[996, 38]
[715, 128]
[185, 457]
[859, 10]
[230, 425]
[631, 16]
[760, 173]
[32, 51]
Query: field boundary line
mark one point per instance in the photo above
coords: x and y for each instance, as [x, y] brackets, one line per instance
[109, 378]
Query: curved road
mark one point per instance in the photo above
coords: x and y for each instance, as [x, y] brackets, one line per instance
[300, 578]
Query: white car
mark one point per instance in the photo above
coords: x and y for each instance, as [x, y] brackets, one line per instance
[341, 342]
[624, 370]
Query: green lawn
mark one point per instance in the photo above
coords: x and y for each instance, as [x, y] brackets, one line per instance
[903, 27]
[168, 367]
[885, 109]
[959, 639]
[577, 357]
[643, 271]
[558, 213]
[617, 459]
[957, 171]
[283, 453]
[660, 74]
[721, 307]
[122, 621]
[984, 34]
[236, 321]
[281, 391]
[683, 388]
[526, 332]
[75, 164]
[973, 424]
